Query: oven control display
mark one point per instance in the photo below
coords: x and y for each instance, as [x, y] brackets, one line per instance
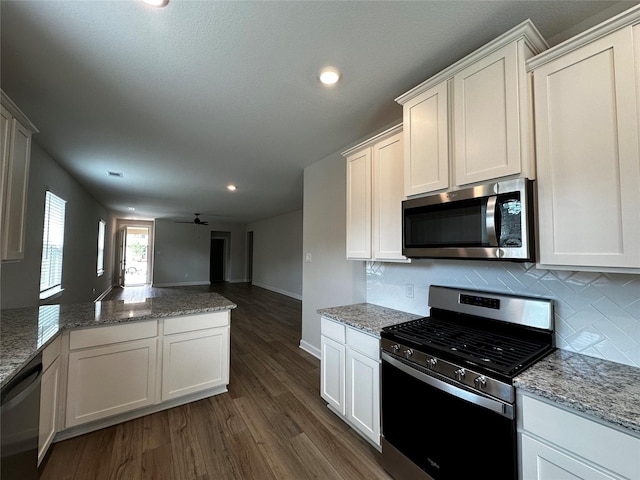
[477, 301]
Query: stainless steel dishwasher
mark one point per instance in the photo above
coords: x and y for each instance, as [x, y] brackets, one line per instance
[19, 421]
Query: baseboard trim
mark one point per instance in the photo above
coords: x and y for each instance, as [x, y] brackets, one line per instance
[307, 347]
[104, 294]
[297, 296]
[180, 284]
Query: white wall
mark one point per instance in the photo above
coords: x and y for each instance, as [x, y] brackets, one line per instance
[330, 279]
[277, 254]
[21, 279]
[596, 314]
[182, 252]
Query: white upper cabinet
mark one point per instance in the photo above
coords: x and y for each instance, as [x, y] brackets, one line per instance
[426, 132]
[15, 132]
[586, 105]
[470, 122]
[359, 205]
[487, 106]
[375, 190]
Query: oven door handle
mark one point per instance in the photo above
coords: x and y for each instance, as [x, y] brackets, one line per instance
[501, 408]
[491, 220]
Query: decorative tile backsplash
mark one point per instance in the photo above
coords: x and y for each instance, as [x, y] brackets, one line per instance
[596, 314]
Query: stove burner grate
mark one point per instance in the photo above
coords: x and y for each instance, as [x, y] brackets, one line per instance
[501, 353]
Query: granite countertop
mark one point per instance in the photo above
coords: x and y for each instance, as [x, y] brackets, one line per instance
[602, 389]
[26, 331]
[367, 316]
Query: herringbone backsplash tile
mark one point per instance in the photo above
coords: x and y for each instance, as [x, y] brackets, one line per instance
[597, 314]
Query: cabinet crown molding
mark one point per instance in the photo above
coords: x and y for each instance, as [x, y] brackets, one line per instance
[624, 19]
[16, 112]
[525, 31]
[370, 141]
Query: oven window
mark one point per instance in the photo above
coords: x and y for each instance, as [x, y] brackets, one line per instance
[459, 224]
[447, 437]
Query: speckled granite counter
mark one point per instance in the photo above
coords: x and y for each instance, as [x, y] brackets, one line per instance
[602, 389]
[367, 316]
[25, 331]
[605, 390]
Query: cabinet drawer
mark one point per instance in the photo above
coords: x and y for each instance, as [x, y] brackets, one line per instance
[607, 447]
[364, 343]
[189, 323]
[123, 332]
[50, 353]
[333, 330]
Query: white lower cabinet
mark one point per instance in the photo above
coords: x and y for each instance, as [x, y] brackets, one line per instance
[350, 376]
[195, 354]
[116, 369]
[111, 379]
[49, 397]
[558, 444]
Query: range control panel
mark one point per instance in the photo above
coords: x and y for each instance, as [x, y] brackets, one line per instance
[477, 301]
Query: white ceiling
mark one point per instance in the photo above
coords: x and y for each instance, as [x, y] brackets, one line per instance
[187, 99]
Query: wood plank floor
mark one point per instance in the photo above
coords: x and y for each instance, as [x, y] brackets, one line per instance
[272, 424]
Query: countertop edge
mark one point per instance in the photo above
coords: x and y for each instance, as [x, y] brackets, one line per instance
[144, 317]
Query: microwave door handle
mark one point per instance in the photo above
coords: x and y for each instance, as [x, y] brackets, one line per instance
[490, 222]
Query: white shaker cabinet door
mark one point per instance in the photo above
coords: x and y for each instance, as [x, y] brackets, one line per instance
[363, 380]
[105, 381]
[15, 183]
[588, 151]
[332, 373]
[387, 198]
[359, 205]
[543, 462]
[426, 141]
[194, 361]
[48, 407]
[486, 118]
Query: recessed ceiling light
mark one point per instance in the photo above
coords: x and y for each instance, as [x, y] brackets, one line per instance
[156, 3]
[131, 209]
[231, 187]
[329, 75]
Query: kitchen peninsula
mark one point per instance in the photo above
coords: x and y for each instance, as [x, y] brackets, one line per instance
[107, 362]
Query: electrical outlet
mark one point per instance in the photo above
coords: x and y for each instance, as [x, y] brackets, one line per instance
[409, 287]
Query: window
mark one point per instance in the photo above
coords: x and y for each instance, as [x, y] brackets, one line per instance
[52, 246]
[101, 226]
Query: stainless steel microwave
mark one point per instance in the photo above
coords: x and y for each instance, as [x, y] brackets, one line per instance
[492, 221]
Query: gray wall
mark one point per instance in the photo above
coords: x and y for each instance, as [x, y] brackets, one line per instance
[277, 254]
[21, 279]
[329, 279]
[182, 252]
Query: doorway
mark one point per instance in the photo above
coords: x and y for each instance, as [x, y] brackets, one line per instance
[249, 275]
[135, 244]
[219, 257]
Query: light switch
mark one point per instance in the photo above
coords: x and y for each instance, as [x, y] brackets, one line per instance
[308, 258]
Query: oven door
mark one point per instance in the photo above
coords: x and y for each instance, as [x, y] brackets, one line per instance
[434, 430]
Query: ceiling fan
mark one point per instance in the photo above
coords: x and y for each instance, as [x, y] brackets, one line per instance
[196, 221]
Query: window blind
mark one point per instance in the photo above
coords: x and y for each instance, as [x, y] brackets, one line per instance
[101, 228]
[52, 245]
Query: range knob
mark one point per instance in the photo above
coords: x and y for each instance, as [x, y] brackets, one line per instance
[408, 353]
[432, 363]
[480, 382]
[460, 373]
[395, 348]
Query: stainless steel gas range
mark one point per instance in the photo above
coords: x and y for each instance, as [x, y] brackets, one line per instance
[448, 400]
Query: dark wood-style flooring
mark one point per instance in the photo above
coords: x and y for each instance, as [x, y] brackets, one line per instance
[271, 424]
